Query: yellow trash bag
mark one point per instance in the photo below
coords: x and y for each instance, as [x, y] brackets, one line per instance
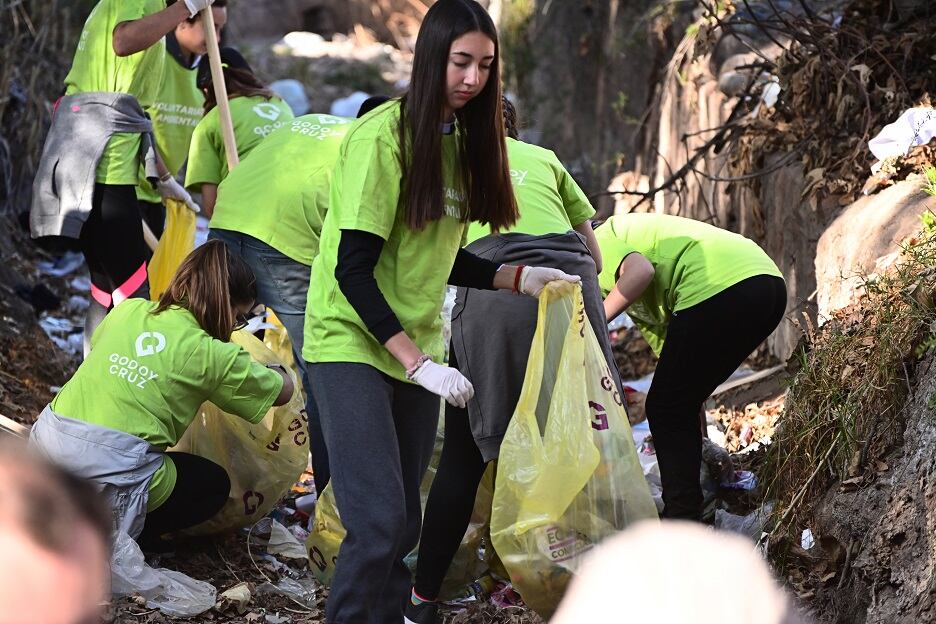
[568, 474]
[328, 533]
[176, 242]
[262, 460]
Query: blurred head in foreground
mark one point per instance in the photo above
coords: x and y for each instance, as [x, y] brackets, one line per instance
[54, 542]
[676, 572]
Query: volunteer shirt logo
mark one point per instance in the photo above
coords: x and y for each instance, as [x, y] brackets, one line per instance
[519, 176]
[267, 111]
[150, 343]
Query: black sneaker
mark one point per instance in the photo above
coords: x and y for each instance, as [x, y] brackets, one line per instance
[423, 613]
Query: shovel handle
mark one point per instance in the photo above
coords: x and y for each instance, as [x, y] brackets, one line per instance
[220, 89]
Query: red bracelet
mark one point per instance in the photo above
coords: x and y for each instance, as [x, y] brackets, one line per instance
[516, 284]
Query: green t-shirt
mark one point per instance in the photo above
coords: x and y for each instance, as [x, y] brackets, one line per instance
[147, 375]
[549, 200]
[96, 67]
[289, 175]
[414, 266]
[175, 113]
[693, 261]
[253, 118]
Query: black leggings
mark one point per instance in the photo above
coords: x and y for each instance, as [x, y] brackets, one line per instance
[704, 345]
[451, 501]
[113, 246]
[202, 487]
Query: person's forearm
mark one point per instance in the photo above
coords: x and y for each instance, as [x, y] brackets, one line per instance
[614, 304]
[288, 388]
[404, 350]
[209, 193]
[137, 35]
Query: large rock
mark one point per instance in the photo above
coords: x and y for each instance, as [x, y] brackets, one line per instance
[864, 240]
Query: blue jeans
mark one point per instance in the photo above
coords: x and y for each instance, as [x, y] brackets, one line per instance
[282, 285]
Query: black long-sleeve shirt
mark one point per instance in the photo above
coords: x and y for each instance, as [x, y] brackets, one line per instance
[358, 253]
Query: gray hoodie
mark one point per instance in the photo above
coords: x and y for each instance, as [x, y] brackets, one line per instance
[81, 127]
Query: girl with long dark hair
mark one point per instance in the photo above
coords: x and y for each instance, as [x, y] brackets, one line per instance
[255, 112]
[411, 175]
[150, 368]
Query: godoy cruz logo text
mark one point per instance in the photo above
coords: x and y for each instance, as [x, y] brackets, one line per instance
[149, 343]
[270, 112]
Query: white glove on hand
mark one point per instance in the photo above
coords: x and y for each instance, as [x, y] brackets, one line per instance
[194, 6]
[171, 189]
[534, 279]
[445, 381]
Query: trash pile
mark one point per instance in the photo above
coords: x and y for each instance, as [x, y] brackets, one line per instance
[841, 81]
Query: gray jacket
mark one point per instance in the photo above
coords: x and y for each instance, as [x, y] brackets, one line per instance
[120, 464]
[81, 127]
[492, 330]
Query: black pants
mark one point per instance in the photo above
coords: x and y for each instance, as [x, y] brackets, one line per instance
[202, 487]
[154, 215]
[704, 345]
[451, 500]
[113, 246]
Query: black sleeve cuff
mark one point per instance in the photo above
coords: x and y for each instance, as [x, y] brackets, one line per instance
[358, 253]
[471, 271]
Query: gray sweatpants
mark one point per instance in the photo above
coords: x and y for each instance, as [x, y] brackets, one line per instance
[380, 433]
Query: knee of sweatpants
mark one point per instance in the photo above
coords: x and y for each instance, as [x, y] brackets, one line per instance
[384, 530]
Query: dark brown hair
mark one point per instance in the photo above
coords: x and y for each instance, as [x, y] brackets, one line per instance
[239, 82]
[209, 283]
[510, 118]
[482, 151]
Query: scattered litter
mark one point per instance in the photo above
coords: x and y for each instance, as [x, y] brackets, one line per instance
[807, 540]
[303, 591]
[284, 543]
[82, 283]
[751, 525]
[348, 106]
[65, 264]
[719, 462]
[66, 335]
[277, 619]
[306, 503]
[293, 93]
[171, 592]
[741, 480]
[77, 304]
[621, 322]
[915, 126]
[236, 598]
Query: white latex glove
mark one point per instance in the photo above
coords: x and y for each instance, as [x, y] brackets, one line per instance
[171, 189]
[534, 279]
[194, 6]
[445, 381]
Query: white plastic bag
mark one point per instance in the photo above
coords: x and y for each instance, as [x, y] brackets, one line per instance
[171, 592]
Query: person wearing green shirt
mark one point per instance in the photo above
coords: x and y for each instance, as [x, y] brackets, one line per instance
[410, 176]
[491, 337]
[121, 52]
[704, 298]
[151, 367]
[255, 112]
[280, 241]
[177, 107]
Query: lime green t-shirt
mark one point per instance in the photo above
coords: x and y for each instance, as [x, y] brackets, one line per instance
[288, 175]
[148, 374]
[693, 261]
[175, 113]
[253, 118]
[414, 266]
[549, 200]
[96, 67]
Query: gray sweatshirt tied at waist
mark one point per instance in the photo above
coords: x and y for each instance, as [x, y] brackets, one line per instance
[119, 464]
[81, 127]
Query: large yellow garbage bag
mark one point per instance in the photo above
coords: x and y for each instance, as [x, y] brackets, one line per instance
[568, 474]
[262, 460]
[328, 533]
[176, 242]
